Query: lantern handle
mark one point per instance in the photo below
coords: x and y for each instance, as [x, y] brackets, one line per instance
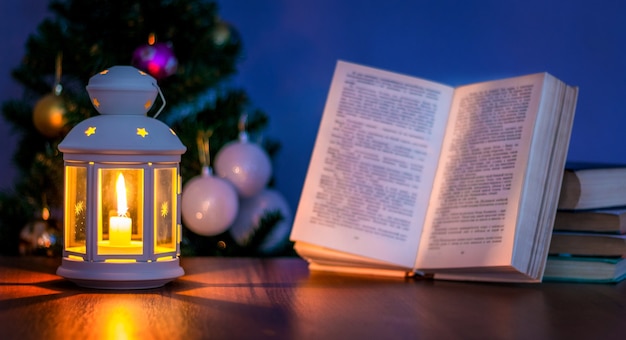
[162, 98]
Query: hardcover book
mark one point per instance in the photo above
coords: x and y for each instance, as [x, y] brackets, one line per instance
[609, 220]
[585, 269]
[588, 244]
[593, 186]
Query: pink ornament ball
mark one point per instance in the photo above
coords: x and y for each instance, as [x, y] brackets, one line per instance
[157, 59]
[246, 165]
[209, 205]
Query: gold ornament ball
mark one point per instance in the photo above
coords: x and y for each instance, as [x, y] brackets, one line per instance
[49, 115]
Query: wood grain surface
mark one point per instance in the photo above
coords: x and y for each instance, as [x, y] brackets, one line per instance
[277, 298]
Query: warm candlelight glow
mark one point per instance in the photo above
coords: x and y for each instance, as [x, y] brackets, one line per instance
[120, 226]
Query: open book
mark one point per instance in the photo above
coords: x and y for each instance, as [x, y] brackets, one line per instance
[411, 176]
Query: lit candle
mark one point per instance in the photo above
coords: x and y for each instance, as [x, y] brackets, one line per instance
[120, 226]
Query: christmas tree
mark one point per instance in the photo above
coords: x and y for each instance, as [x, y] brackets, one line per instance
[184, 45]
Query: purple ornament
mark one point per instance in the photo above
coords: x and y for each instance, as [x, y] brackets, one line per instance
[157, 59]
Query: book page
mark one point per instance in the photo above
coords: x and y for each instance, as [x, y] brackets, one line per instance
[472, 220]
[372, 167]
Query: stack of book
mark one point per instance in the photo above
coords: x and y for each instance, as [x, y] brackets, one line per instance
[589, 239]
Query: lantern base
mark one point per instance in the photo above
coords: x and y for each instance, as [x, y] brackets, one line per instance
[120, 275]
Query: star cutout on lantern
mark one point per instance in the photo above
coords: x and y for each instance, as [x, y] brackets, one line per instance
[96, 103]
[142, 132]
[104, 72]
[148, 104]
[90, 131]
[79, 207]
[164, 209]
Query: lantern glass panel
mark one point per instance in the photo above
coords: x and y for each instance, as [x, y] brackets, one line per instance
[75, 209]
[120, 213]
[165, 210]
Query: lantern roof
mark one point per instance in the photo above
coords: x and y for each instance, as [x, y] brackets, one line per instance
[122, 90]
[122, 77]
[122, 134]
[123, 95]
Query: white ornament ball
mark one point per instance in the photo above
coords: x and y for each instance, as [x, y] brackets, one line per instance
[209, 205]
[252, 210]
[246, 165]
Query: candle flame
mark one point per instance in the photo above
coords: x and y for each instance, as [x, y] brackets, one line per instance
[122, 205]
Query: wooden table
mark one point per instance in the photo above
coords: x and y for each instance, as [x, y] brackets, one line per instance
[241, 298]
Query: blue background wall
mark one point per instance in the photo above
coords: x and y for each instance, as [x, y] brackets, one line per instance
[291, 48]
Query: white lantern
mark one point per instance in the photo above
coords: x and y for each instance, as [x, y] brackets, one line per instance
[122, 188]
